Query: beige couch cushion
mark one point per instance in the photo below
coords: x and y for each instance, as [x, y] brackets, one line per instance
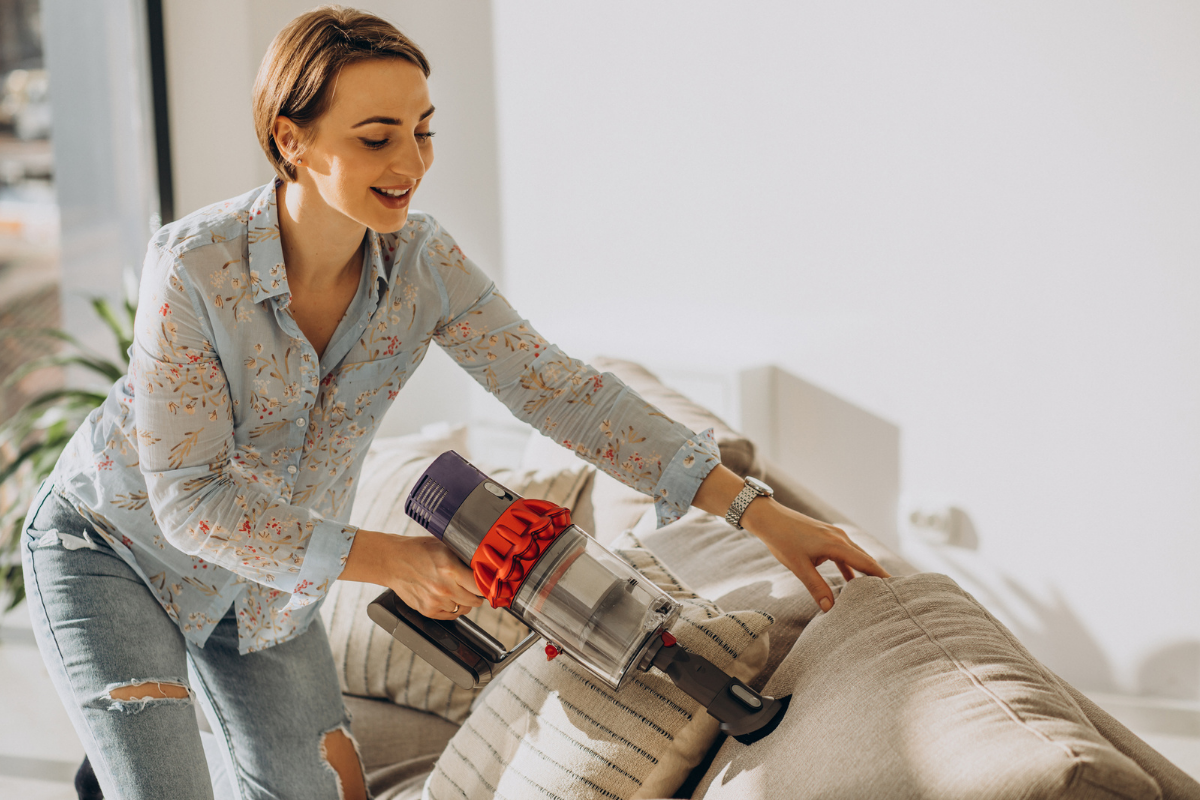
[908, 688]
[550, 729]
[370, 662]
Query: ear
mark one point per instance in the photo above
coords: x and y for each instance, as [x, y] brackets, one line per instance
[287, 138]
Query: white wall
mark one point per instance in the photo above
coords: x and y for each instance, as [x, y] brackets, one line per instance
[976, 220]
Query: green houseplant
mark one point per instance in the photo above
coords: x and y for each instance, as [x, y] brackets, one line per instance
[32, 439]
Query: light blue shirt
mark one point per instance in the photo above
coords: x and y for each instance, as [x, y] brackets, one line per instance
[223, 467]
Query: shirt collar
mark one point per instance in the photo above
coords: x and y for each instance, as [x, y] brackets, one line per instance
[268, 277]
[375, 264]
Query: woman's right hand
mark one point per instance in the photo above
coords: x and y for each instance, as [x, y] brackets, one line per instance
[432, 580]
[420, 569]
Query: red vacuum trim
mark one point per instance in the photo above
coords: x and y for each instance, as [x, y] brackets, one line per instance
[513, 545]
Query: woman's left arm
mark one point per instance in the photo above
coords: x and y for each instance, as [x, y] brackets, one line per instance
[609, 425]
[800, 543]
[593, 414]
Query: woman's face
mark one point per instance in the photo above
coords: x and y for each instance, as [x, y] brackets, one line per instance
[372, 146]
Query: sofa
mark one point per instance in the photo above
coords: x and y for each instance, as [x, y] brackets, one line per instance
[907, 688]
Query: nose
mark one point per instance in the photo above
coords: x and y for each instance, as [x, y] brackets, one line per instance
[409, 161]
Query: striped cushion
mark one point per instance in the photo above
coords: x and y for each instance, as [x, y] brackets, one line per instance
[549, 729]
[371, 663]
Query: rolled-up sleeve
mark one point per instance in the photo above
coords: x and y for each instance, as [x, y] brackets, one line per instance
[594, 414]
[206, 500]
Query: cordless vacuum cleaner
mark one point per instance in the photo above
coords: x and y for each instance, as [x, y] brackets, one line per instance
[566, 587]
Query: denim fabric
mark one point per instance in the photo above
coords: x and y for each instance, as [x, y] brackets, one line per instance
[99, 628]
[223, 466]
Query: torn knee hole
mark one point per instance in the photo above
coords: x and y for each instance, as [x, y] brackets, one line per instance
[135, 696]
[340, 753]
[150, 690]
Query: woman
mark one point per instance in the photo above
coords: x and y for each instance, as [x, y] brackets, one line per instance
[197, 518]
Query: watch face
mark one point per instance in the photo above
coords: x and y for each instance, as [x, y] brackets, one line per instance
[760, 486]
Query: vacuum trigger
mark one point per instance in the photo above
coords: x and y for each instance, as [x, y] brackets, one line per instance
[552, 652]
[668, 639]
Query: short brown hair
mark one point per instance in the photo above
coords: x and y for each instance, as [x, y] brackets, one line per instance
[298, 70]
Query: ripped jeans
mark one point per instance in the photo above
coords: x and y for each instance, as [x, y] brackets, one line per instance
[101, 632]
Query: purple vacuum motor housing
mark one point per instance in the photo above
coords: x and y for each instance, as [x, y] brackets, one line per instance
[443, 488]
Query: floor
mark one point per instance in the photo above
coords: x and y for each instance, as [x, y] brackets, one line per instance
[39, 751]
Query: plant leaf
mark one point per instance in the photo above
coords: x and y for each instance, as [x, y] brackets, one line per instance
[66, 394]
[12, 580]
[48, 333]
[68, 400]
[29, 333]
[119, 328]
[103, 366]
[23, 456]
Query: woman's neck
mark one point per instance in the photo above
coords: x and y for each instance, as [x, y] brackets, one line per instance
[321, 247]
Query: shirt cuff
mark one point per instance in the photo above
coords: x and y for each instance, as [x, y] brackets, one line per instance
[324, 560]
[677, 487]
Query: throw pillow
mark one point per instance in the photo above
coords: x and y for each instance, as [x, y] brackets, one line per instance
[548, 728]
[908, 688]
[370, 662]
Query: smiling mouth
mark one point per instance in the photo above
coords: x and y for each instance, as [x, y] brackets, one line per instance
[397, 193]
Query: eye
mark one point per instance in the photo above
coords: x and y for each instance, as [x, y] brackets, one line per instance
[375, 144]
[425, 137]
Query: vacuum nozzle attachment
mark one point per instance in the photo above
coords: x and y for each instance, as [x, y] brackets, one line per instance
[744, 714]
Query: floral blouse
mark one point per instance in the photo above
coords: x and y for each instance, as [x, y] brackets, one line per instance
[223, 466]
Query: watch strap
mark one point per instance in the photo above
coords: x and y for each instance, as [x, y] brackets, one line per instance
[740, 503]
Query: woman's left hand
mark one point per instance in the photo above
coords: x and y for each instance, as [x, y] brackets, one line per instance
[802, 544]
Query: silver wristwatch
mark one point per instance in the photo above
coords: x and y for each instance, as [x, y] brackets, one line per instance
[753, 488]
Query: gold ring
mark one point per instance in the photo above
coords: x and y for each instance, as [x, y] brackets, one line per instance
[455, 611]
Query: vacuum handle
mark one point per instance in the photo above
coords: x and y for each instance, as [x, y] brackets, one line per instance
[458, 648]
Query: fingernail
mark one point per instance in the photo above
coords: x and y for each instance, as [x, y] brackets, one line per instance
[826, 604]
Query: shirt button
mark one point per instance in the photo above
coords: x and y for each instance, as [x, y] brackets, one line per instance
[300, 422]
[292, 469]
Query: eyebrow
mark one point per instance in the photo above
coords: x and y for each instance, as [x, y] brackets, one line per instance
[391, 120]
